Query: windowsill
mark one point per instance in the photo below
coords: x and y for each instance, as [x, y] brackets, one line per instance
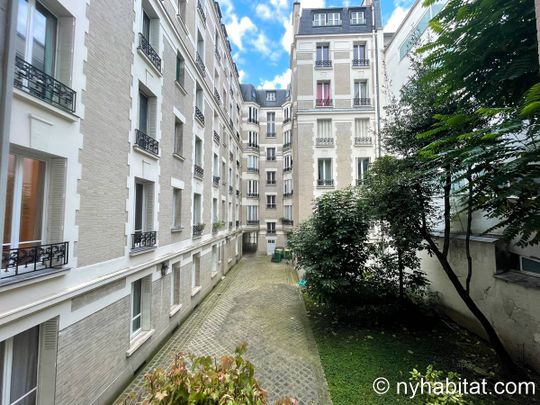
[324, 67]
[46, 106]
[180, 87]
[182, 23]
[149, 62]
[325, 187]
[199, 121]
[26, 279]
[144, 152]
[360, 66]
[212, 275]
[174, 310]
[179, 157]
[520, 278]
[229, 260]
[177, 229]
[330, 145]
[195, 291]
[140, 251]
[138, 341]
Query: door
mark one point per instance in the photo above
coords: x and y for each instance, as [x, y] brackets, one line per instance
[270, 246]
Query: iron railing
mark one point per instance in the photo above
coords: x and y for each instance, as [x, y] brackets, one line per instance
[325, 182]
[288, 222]
[287, 169]
[287, 146]
[146, 142]
[363, 140]
[198, 171]
[34, 258]
[216, 137]
[200, 64]
[253, 120]
[37, 83]
[201, 11]
[252, 222]
[252, 146]
[286, 120]
[324, 102]
[252, 195]
[143, 240]
[362, 101]
[215, 180]
[149, 51]
[325, 142]
[199, 115]
[252, 170]
[217, 96]
[360, 62]
[323, 63]
[198, 230]
[288, 194]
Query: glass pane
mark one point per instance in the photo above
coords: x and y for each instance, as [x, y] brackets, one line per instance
[139, 198]
[143, 112]
[22, 26]
[9, 199]
[32, 200]
[146, 26]
[44, 40]
[25, 366]
[136, 310]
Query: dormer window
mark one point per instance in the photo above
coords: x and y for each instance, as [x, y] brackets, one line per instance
[334, 19]
[319, 19]
[358, 18]
[270, 96]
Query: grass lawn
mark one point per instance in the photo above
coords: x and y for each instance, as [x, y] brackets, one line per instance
[353, 354]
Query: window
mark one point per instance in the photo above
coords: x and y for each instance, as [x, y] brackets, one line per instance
[215, 259]
[271, 227]
[143, 113]
[253, 162]
[323, 94]
[334, 19]
[253, 187]
[252, 213]
[215, 214]
[197, 209]
[361, 128]
[179, 137]
[271, 124]
[287, 186]
[325, 173]
[287, 212]
[359, 53]
[136, 307]
[319, 19]
[270, 153]
[361, 96]
[175, 286]
[199, 98]
[196, 272]
[324, 129]
[144, 200]
[362, 166]
[198, 151]
[287, 139]
[182, 9]
[215, 166]
[322, 53]
[271, 177]
[200, 48]
[287, 162]
[253, 138]
[36, 35]
[358, 17]
[271, 201]
[270, 96]
[253, 115]
[180, 69]
[177, 208]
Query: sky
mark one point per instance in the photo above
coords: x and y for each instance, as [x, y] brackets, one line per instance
[261, 33]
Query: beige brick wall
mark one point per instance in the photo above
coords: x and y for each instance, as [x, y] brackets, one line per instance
[342, 79]
[304, 170]
[305, 80]
[105, 128]
[344, 158]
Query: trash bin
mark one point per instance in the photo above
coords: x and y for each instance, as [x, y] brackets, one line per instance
[287, 254]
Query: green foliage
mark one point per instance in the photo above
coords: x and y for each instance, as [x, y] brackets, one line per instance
[439, 392]
[207, 381]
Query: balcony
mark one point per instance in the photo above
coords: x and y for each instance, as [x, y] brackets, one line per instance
[360, 62]
[325, 183]
[286, 121]
[288, 194]
[149, 52]
[271, 157]
[199, 116]
[251, 146]
[324, 102]
[198, 171]
[230, 122]
[271, 134]
[359, 182]
[363, 140]
[216, 137]
[252, 170]
[200, 64]
[217, 96]
[252, 195]
[363, 101]
[215, 181]
[270, 231]
[270, 182]
[37, 83]
[143, 240]
[253, 121]
[146, 142]
[22, 261]
[287, 222]
[271, 206]
[323, 64]
[324, 142]
[287, 169]
[200, 9]
[287, 146]
[198, 230]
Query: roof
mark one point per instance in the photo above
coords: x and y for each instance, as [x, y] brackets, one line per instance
[251, 94]
[306, 21]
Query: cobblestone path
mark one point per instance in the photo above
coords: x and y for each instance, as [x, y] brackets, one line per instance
[257, 302]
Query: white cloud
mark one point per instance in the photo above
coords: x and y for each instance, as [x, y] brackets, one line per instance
[237, 29]
[397, 17]
[262, 44]
[287, 38]
[264, 12]
[278, 82]
[241, 75]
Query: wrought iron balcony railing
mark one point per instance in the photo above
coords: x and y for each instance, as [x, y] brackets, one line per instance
[326, 63]
[252, 222]
[25, 260]
[287, 146]
[288, 194]
[198, 230]
[363, 140]
[270, 231]
[287, 169]
[230, 189]
[362, 101]
[271, 134]
[252, 170]
[149, 51]
[325, 182]
[252, 146]
[287, 222]
[146, 142]
[199, 115]
[238, 193]
[216, 137]
[286, 120]
[143, 240]
[253, 120]
[360, 62]
[252, 195]
[37, 83]
[271, 206]
[324, 102]
[359, 182]
[198, 171]
[237, 223]
[215, 181]
[324, 142]
[218, 56]
[200, 64]
[270, 182]
[217, 96]
[201, 11]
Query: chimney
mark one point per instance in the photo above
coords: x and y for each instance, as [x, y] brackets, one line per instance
[296, 16]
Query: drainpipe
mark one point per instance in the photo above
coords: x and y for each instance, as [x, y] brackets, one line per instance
[375, 22]
[8, 13]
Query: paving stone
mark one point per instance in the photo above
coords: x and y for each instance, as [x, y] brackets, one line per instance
[258, 302]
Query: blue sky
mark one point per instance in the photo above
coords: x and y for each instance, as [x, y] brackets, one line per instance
[260, 33]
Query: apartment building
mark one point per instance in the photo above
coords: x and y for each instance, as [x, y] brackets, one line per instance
[123, 188]
[336, 64]
[267, 179]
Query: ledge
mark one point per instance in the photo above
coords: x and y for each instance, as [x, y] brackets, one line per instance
[44, 105]
[26, 279]
[144, 152]
[179, 157]
[180, 87]
[182, 24]
[139, 340]
[195, 291]
[520, 278]
[177, 229]
[212, 275]
[140, 251]
[149, 62]
[174, 310]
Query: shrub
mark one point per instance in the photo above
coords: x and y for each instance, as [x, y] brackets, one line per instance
[440, 393]
[207, 381]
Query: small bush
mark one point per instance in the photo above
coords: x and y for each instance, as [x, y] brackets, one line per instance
[207, 381]
[440, 393]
